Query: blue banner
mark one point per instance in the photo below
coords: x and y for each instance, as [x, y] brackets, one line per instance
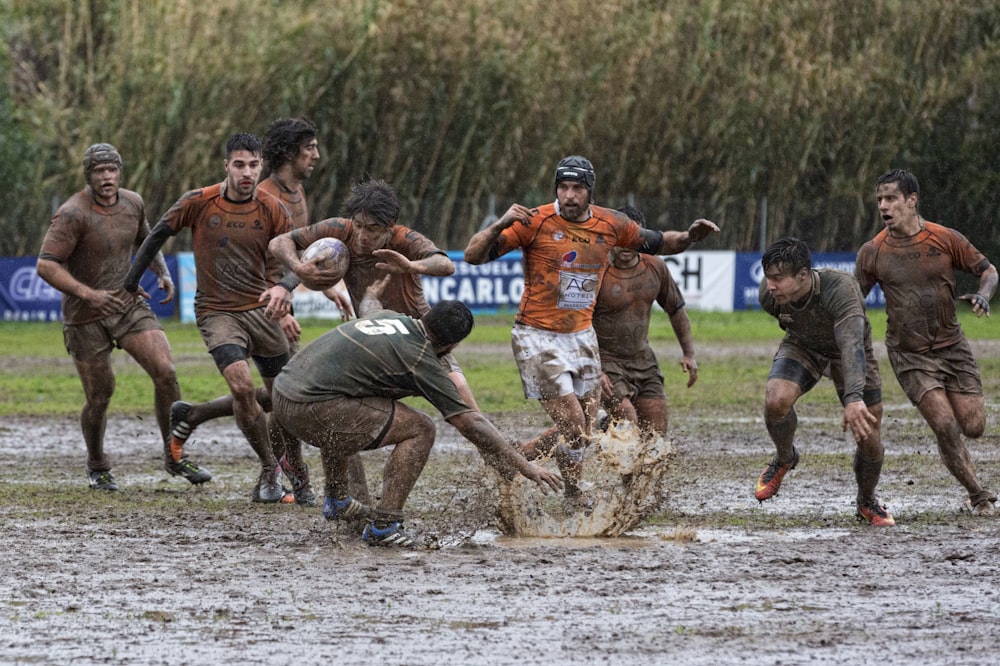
[26, 297]
[495, 285]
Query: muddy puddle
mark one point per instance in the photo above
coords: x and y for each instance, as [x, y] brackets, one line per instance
[165, 573]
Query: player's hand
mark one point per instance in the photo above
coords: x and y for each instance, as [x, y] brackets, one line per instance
[166, 285]
[279, 302]
[701, 229]
[546, 480]
[516, 213]
[342, 302]
[107, 303]
[392, 261]
[980, 304]
[372, 300]
[290, 326]
[690, 366]
[315, 277]
[861, 422]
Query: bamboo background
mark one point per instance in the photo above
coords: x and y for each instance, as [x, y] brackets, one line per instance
[697, 108]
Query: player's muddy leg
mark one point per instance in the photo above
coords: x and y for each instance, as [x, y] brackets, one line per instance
[937, 411]
[651, 415]
[357, 482]
[570, 416]
[98, 382]
[411, 435]
[868, 460]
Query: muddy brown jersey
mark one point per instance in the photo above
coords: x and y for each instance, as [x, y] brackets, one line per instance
[295, 204]
[294, 200]
[229, 240]
[564, 263]
[917, 275]
[405, 292]
[95, 243]
[625, 303]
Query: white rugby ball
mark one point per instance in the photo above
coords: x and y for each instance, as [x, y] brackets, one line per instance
[328, 253]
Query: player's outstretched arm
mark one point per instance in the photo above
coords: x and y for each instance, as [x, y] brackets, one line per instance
[480, 431]
[675, 242]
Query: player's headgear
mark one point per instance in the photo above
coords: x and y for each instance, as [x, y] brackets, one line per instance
[99, 153]
[576, 168]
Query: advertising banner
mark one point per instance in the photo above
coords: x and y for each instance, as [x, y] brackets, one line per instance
[26, 297]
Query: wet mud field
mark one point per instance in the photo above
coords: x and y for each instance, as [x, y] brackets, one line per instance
[166, 573]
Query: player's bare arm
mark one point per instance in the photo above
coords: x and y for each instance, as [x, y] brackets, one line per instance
[284, 250]
[480, 431]
[675, 242]
[437, 265]
[478, 249]
[682, 329]
[56, 275]
[980, 300]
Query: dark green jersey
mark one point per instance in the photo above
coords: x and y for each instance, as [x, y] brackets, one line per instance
[385, 354]
[835, 298]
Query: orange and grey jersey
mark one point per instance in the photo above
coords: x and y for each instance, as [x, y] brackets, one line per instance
[625, 303]
[917, 275]
[95, 244]
[405, 292]
[564, 263]
[230, 246]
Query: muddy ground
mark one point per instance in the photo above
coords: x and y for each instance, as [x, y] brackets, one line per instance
[166, 573]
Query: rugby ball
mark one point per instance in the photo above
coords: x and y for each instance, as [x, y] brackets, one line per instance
[328, 254]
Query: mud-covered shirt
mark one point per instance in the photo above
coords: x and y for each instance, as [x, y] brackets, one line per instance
[230, 246]
[917, 275]
[564, 263]
[386, 354]
[95, 243]
[405, 292]
[295, 204]
[294, 200]
[827, 324]
[625, 303]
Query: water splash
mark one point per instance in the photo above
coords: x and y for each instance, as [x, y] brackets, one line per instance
[622, 478]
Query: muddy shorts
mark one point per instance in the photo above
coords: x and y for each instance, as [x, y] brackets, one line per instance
[805, 367]
[89, 342]
[556, 364]
[635, 376]
[344, 425]
[952, 368]
[262, 338]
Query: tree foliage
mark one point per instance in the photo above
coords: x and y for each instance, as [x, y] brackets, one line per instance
[692, 109]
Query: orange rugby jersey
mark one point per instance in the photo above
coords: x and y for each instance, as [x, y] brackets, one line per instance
[230, 246]
[917, 275]
[564, 263]
[405, 292]
[294, 200]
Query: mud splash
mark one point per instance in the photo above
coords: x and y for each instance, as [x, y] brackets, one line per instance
[622, 482]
